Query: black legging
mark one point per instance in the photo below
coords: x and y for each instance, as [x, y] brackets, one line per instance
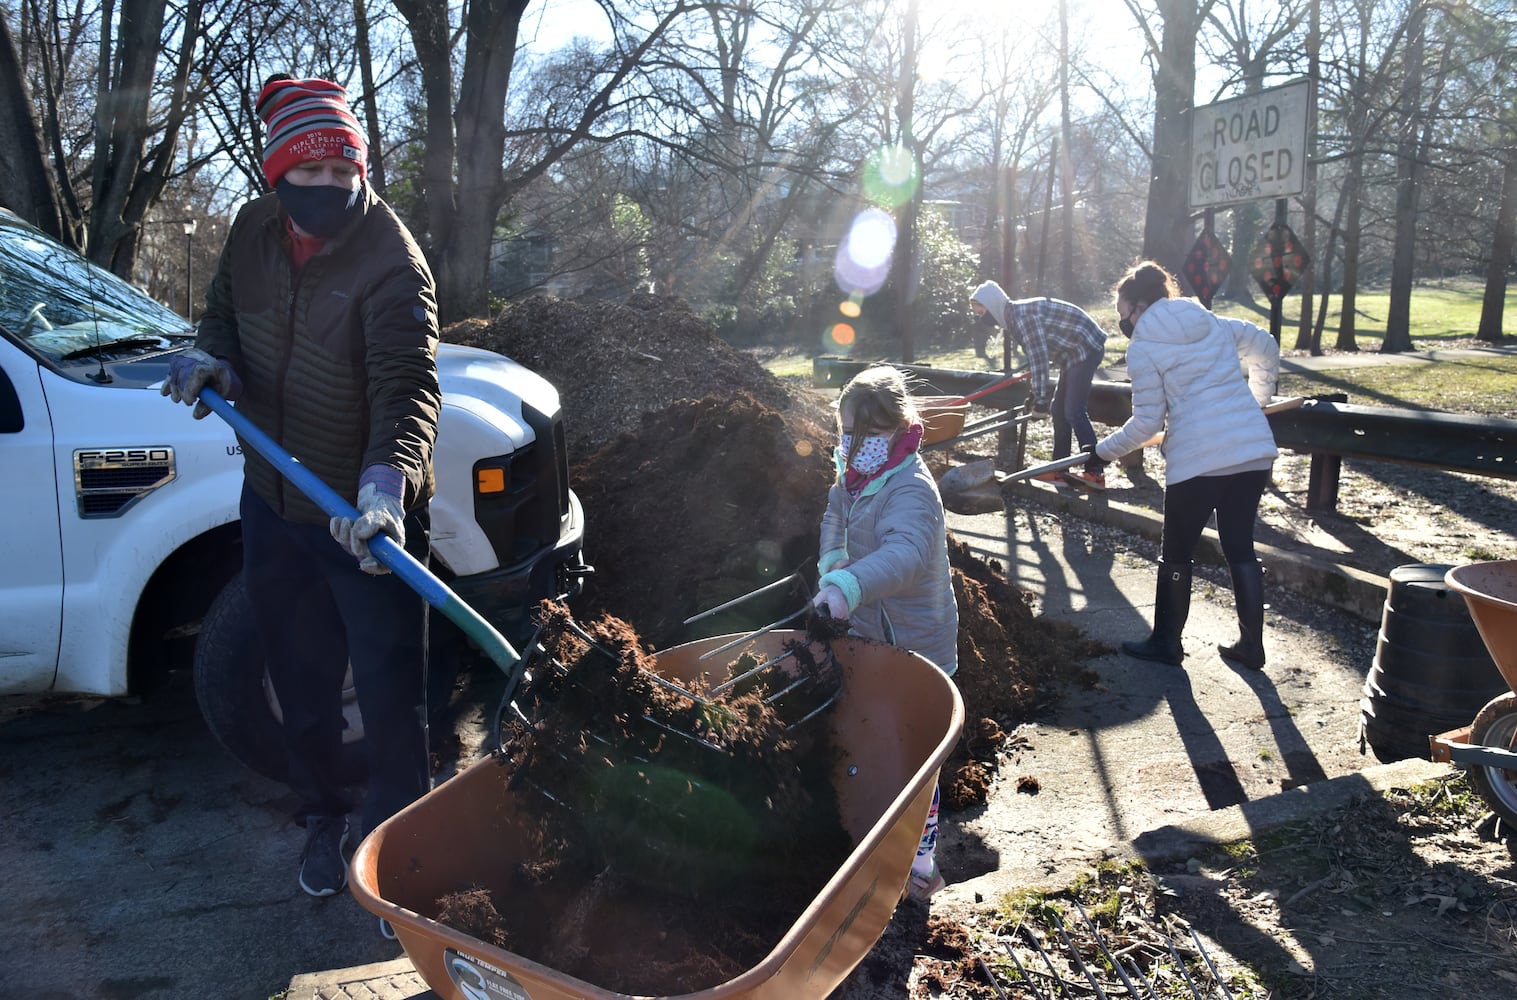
[1189, 504]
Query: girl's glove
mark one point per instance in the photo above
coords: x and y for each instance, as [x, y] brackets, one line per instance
[831, 598]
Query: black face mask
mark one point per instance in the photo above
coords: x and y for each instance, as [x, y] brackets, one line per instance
[321, 210]
[987, 318]
[1125, 325]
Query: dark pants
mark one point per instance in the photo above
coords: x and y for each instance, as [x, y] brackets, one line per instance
[1189, 505]
[317, 613]
[1071, 410]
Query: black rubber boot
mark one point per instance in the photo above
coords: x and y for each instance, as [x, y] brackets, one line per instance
[1171, 609]
[1248, 596]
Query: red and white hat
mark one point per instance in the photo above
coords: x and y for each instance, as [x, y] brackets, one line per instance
[308, 120]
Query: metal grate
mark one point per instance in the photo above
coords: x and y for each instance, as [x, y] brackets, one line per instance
[108, 481]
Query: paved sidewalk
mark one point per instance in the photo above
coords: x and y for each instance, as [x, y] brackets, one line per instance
[1371, 359]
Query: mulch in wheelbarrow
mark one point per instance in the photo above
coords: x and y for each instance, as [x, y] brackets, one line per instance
[721, 805]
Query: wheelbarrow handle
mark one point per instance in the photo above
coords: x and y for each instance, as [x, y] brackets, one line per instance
[381, 546]
[1057, 465]
[992, 387]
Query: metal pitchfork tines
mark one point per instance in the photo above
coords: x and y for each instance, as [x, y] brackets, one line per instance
[824, 679]
[798, 685]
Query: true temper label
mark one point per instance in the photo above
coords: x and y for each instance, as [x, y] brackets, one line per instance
[479, 980]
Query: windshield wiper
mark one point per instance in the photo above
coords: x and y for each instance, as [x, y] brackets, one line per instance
[97, 350]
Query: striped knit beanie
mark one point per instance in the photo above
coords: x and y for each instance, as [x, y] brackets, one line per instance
[307, 120]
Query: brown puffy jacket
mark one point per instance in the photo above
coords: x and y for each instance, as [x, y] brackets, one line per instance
[338, 362]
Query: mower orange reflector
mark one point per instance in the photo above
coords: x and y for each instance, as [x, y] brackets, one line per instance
[490, 480]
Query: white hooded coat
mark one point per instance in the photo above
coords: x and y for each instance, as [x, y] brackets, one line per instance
[1186, 381]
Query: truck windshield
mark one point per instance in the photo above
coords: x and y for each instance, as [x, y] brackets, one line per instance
[70, 311]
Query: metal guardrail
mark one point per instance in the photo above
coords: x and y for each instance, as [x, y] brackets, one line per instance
[1327, 428]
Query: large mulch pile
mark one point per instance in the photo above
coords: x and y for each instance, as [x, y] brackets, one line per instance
[614, 362]
[704, 478]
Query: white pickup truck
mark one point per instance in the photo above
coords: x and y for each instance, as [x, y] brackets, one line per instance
[120, 544]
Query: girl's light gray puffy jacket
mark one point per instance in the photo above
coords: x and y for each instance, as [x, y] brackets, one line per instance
[1184, 362]
[897, 541]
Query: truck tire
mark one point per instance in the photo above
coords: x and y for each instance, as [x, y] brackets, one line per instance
[237, 701]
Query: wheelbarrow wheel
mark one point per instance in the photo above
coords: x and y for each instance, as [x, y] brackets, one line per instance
[1496, 726]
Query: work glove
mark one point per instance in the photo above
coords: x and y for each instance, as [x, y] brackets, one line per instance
[379, 510]
[191, 371]
[831, 598]
[1036, 410]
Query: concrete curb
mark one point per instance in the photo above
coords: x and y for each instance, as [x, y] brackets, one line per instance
[1250, 819]
[1353, 590]
[396, 979]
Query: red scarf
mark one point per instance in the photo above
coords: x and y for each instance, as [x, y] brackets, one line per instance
[905, 446]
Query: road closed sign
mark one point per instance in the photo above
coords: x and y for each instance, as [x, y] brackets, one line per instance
[1250, 147]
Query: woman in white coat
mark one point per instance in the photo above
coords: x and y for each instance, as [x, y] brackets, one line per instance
[1202, 380]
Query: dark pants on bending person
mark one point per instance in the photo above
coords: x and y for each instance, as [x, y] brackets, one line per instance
[1071, 410]
[317, 613]
[1188, 506]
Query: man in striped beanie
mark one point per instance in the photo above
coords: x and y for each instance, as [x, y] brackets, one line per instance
[321, 321]
[315, 156]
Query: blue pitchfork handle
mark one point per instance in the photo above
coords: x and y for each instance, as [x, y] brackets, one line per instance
[382, 546]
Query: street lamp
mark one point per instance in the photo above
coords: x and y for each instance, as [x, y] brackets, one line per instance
[189, 282]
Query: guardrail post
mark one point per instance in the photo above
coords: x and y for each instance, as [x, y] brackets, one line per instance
[1326, 470]
[1322, 483]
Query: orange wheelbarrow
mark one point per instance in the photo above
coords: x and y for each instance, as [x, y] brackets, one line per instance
[894, 723]
[1487, 747]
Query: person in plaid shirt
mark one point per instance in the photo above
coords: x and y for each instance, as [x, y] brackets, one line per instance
[1055, 335]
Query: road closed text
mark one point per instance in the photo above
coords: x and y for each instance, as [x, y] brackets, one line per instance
[1249, 147]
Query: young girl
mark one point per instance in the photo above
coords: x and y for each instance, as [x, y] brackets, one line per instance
[884, 547]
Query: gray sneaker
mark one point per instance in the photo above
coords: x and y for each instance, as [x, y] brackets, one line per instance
[323, 869]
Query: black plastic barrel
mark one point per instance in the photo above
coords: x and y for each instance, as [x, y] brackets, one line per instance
[1431, 673]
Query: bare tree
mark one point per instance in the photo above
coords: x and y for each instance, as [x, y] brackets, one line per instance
[1505, 238]
[1170, 29]
[26, 181]
[1398, 335]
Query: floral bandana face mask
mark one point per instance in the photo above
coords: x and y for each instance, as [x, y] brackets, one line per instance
[873, 453]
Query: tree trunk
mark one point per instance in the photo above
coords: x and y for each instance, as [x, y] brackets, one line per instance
[1398, 335]
[903, 262]
[1501, 253]
[1167, 228]
[130, 175]
[1247, 232]
[1308, 334]
[428, 23]
[1066, 164]
[24, 176]
[121, 136]
[370, 110]
[1325, 262]
[1348, 315]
